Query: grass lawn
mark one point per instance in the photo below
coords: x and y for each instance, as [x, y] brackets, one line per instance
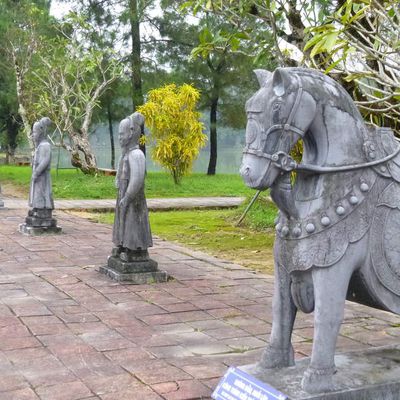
[214, 232]
[72, 184]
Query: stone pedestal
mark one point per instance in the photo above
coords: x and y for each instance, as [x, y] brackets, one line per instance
[135, 267]
[372, 374]
[39, 222]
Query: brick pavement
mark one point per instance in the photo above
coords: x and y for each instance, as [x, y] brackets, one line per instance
[69, 333]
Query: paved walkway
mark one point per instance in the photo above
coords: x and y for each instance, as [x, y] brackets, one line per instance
[153, 204]
[69, 333]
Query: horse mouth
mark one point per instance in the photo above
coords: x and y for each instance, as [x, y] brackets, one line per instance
[251, 179]
[258, 175]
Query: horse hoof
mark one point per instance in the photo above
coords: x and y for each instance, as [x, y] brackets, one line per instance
[318, 380]
[276, 358]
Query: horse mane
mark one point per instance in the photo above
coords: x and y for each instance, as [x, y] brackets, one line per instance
[328, 91]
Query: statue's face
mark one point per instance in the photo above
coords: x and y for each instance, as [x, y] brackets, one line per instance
[37, 134]
[127, 134]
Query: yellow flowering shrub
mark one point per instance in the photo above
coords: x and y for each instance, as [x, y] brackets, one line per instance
[175, 127]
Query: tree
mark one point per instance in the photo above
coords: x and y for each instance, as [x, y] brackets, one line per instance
[216, 74]
[135, 13]
[128, 17]
[106, 33]
[274, 27]
[22, 24]
[79, 75]
[125, 23]
[359, 44]
[10, 121]
[10, 124]
[175, 127]
[356, 42]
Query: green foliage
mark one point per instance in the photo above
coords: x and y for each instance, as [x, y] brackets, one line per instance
[261, 26]
[9, 119]
[359, 42]
[22, 24]
[78, 71]
[211, 54]
[68, 80]
[175, 126]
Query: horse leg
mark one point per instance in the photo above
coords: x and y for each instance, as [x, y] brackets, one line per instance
[279, 352]
[330, 288]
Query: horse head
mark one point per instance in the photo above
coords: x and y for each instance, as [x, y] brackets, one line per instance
[278, 115]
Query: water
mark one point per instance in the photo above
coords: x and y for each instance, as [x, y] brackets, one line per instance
[230, 144]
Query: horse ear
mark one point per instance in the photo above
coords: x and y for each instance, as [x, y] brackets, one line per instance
[262, 76]
[280, 81]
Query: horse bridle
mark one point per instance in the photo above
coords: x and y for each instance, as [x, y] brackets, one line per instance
[286, 163]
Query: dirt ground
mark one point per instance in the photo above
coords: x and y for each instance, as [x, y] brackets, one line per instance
[11, 191]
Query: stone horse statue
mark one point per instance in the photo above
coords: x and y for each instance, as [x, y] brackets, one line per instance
[339, 222]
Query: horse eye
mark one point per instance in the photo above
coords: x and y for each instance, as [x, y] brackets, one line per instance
[276, 111]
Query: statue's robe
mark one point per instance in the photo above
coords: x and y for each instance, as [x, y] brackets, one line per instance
[40, 194]
[131, 224]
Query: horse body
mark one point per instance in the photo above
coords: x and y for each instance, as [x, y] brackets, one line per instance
[338, 223]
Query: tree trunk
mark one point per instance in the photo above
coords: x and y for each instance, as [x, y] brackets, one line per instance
[110, 128]
[136, 63]
[212, 165]
[21, 108]
[82, 156]
[13, 124]
[137, 94]
[297, 37]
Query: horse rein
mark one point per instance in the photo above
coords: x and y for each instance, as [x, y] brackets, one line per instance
[281, 159]
[286, 163]
[343, 168]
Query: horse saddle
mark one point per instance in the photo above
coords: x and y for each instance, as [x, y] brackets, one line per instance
[384, 238]
[379, 143]
[326, 247]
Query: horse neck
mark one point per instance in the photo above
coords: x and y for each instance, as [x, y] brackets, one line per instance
[335, 138]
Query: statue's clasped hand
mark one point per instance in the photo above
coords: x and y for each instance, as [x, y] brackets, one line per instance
[123, 202]
[284, 161]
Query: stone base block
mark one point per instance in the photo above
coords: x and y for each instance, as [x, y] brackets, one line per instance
[130, 267]
[41, 222]
[372, 374]
[39, 230]
[136, 278]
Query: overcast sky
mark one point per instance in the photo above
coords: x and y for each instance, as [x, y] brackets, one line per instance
[59, 9]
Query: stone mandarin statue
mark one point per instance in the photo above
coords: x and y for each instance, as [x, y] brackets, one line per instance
[131, 232]
[338, 229]
[40, 195]
[39, 218]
